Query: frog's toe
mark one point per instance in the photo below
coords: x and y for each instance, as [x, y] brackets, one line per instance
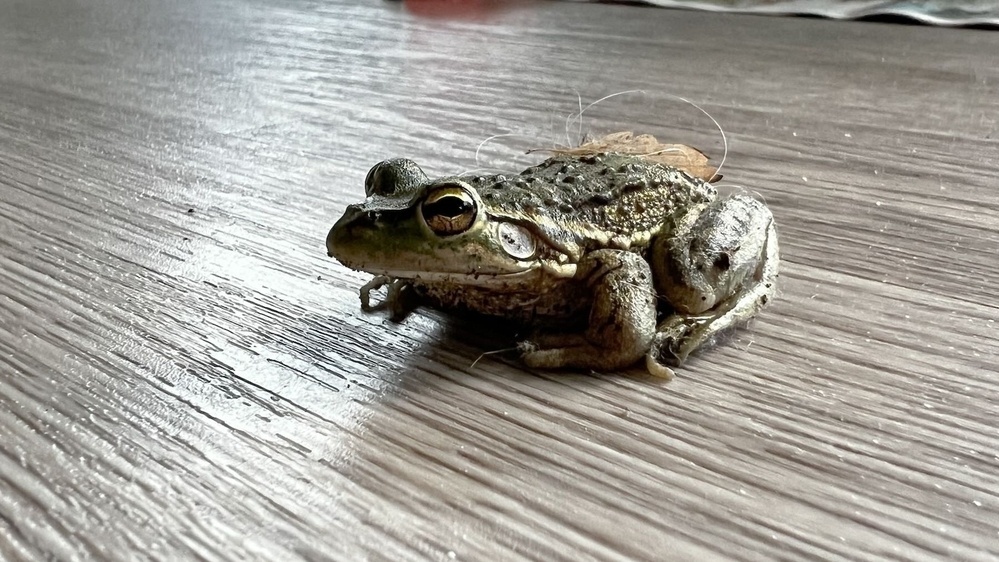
[374, 284]
[655, 367]
[526, 347]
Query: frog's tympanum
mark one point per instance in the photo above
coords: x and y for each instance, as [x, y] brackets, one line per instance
[609, 257]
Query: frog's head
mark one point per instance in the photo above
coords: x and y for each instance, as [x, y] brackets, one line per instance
[409, 227]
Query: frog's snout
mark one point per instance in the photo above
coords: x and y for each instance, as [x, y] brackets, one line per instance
[351, 237]
[340, 234]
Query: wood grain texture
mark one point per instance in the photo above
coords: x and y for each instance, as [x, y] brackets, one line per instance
[184, 374]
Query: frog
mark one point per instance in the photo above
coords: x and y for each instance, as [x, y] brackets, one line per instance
[608, 258]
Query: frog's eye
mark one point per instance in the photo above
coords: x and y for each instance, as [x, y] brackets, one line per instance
[449, 210]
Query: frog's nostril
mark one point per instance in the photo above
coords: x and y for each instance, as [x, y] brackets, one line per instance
[350, 214]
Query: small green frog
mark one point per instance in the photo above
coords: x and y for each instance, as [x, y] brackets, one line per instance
[608, 256]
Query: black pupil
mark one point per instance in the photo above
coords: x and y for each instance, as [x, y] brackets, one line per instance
[448, 206]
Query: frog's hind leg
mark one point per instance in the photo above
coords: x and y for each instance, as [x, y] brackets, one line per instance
[717, 273]
[622, 320]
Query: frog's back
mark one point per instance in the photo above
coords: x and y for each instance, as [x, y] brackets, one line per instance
[601, 200]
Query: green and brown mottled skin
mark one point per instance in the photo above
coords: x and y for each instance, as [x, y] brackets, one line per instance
[590, 250]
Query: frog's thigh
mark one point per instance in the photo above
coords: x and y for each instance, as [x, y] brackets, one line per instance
[718, 273]
[622, 319]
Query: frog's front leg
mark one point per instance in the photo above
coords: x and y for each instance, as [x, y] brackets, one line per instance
[622, 320]
[718, 272]
[395, 298]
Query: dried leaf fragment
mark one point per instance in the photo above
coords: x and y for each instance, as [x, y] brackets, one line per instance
[680, 156]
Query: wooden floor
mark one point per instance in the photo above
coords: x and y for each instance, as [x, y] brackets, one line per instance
[184, 374]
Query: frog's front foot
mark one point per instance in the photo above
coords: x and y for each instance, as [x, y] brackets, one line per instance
[394, 301]
[621, 323]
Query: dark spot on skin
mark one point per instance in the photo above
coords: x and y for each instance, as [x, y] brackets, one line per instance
[488, 195]
[634, 185]
[722, 262]
[569, 179]
[600, 198]
[566, 208]
[768, 285]
[550, 202]
[625, 168]
[589, 159]
[763, 299]
[190, 211]
[604, 171]
[704, 298]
